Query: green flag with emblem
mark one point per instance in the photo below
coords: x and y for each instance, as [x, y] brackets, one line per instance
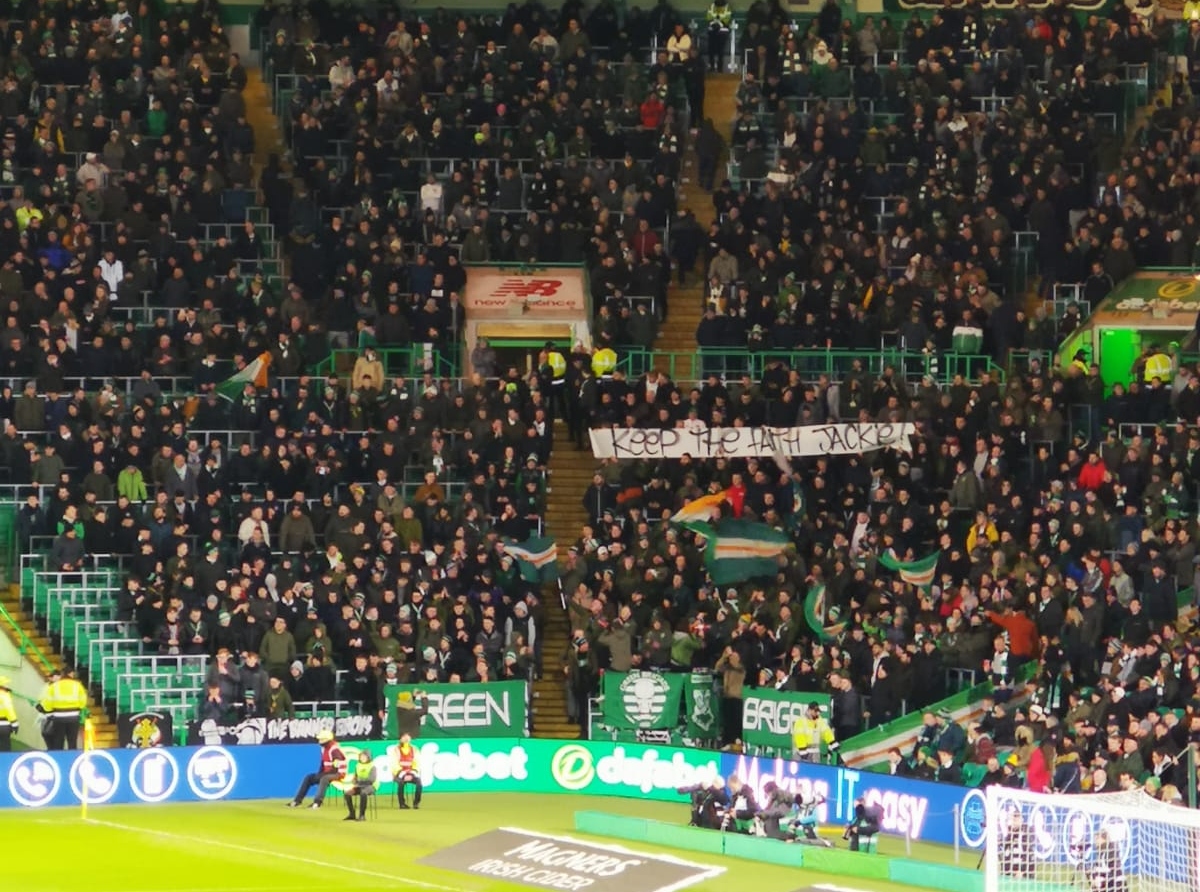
[700, 706]
[641, 700]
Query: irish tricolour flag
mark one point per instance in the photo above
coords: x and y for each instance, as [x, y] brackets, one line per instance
[254, 373]
[701, 510]
[537, 558]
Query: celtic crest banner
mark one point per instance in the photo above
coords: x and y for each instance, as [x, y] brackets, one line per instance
[700, 706]
[641, 700]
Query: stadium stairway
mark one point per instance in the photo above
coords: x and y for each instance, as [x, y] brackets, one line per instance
[10, 597]
[677, 339]
[570, 475]
[260, 115]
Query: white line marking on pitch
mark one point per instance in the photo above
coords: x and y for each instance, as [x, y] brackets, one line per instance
[283, 856]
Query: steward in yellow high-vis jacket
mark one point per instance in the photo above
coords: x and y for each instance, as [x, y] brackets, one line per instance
[63, 705]
[809, 732]
[8, 715]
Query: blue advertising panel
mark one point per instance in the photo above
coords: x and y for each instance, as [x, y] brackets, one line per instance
[920, 810]
[917, 809]
[176, 774]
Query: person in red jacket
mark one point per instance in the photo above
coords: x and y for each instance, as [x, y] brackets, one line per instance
[333, 766]
[653, 111]
[1022, 635]
[1040, 773]
[1093, 472]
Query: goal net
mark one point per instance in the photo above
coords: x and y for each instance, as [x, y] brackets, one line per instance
[1108, 842]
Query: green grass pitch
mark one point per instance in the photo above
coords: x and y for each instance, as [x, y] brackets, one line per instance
[265, 847]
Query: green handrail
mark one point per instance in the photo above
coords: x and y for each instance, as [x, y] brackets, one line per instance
[735, 362]
[25, 644]
[406, 361]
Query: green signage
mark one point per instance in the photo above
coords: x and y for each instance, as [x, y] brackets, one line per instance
[530, 765]
[641, 700]
[769, 715]
[495, 709]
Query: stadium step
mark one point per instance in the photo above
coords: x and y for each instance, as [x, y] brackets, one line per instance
[260, 115]
[676, 346]
[10, 597]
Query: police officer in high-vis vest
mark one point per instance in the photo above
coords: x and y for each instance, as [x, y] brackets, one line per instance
[809, 732]
[1158, 365]
[406, 770]
[8, 715]
[720, 19]
[556, 364]
[63, 705]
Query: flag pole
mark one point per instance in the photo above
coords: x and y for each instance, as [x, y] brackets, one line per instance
[85, 769]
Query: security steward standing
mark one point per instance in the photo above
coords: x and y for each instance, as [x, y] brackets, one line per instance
[720, 21]
[809, 732]
[406, 770]
[8, 715]
[361, 785]
[63, 705]
[556, 364]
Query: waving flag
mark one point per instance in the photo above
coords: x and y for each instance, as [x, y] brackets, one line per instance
[701, 510]
[537, 558]
[820, 616]
[231, 388]
[919, 573]
[254, 373]
[738, 550]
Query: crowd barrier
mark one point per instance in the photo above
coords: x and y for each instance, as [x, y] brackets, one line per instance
[918, 810]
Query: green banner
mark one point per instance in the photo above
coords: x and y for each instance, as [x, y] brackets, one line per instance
[531, 765]
[641, 700]
[495, 709]
[768, 715]
[700, 706]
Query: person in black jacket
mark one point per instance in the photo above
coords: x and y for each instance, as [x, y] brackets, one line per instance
[865, 824]
[740, 814]
[709, 802]
[362, 689]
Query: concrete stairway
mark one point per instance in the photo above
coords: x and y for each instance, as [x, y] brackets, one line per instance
[260, 114]
[572, 469]
[571, 472]
[10, 597]
[685, 304]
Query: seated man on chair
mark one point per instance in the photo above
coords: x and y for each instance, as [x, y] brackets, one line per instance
[406, 771]
[865, 825]
[360, 785]
[333, 765]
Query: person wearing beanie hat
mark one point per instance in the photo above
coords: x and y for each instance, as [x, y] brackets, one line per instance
[279, 700]
[410, 705]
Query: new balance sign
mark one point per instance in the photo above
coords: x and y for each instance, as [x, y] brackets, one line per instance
[495, 709]
[768, 716]
[496, 292]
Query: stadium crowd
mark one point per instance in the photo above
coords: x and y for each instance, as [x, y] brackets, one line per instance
[297, 543]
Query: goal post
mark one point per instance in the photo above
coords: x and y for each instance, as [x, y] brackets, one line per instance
[1107, 842]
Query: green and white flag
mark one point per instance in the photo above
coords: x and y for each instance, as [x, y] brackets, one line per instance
[738, 550]
[919, 573]
[700, 706]
[641, 700]
[537, 559]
